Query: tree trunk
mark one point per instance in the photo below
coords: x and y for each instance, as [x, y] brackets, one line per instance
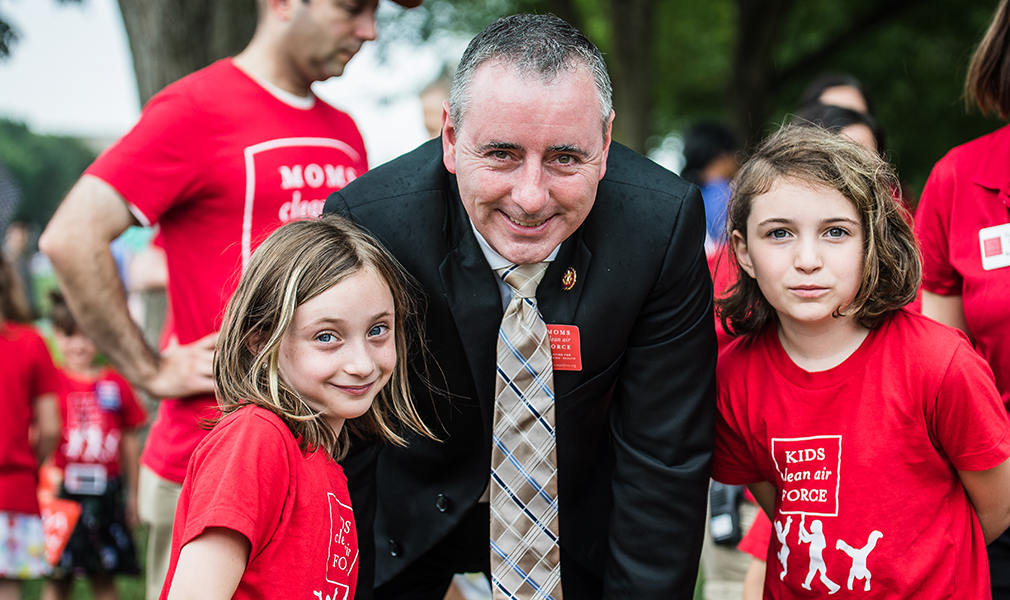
[172, 38]
[631, 70]
[629, 63]
[758, 26]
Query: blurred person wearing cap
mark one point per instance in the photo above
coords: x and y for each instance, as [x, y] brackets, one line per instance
[217, 160]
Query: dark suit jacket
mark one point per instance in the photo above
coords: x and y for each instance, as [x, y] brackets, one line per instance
[634, 426]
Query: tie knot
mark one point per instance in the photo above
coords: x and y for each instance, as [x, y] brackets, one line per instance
[523, 279]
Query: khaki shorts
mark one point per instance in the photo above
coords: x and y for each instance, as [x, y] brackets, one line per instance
[156, 502]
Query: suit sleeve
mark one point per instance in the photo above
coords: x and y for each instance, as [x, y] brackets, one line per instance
[662, 425]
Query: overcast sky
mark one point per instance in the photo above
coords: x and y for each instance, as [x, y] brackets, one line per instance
[70, 73]
[70, 70]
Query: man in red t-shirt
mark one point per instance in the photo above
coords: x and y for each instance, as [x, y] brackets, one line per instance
[218, 160]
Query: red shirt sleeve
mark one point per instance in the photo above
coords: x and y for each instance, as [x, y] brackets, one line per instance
[732, 461]
[239, 478]
[932, 228]
[969, 421]
[155, 164]
[45, 378]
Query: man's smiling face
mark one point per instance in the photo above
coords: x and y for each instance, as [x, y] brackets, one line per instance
[528, 158]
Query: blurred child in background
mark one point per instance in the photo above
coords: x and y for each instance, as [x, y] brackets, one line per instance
[99, 445]
[29, 428]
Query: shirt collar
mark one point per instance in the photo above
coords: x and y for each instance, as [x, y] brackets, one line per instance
[292, 100]
[497, 261]
[993, 170]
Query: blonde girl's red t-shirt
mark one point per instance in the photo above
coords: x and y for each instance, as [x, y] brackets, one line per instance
[863, 457]
[248, 475]
[26, 372]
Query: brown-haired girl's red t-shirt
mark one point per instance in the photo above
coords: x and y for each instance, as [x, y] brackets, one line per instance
[864, 459]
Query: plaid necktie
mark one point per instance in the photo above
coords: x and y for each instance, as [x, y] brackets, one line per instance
[525, 557]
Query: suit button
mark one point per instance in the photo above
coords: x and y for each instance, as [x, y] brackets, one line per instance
[394, 548]
[442, 503]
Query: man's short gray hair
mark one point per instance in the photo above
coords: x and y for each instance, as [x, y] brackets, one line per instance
[534, 46]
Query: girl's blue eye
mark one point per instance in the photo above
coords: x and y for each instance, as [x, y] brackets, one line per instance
[837, 232]
[778, 234]
[326, 337]
[378, 330]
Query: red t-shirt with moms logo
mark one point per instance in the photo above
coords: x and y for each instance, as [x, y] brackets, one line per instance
[219, 161]
[249, 476]
[863, 458]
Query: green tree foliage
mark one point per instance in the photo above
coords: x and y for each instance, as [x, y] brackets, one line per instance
[675, 62]
[44, 166]
[913, 62]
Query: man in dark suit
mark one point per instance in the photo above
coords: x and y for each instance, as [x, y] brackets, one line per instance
[525, 172]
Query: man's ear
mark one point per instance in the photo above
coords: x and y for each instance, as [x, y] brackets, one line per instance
[606, 144]
[282, 9]
[742, 253]
[448, 139]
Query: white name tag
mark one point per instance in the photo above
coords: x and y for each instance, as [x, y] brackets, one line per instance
[995, 245]
[85, 479]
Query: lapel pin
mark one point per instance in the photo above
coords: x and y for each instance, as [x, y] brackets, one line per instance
[568, 279]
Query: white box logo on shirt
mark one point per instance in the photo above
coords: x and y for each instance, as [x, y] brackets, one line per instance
[343, 551]
[809, 471]
[290, 178]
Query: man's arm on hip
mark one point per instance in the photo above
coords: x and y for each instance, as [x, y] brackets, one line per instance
[77, 242]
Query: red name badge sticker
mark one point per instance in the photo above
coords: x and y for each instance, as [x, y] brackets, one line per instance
[995, 246]
[566, 349]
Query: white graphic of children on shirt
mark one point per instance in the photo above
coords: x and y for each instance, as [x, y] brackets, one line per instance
[86, 440]
[809, 485]
[336, 594]
[858, 556]
[783, 553]
[815, 537]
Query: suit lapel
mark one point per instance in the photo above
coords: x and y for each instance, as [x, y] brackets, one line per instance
[471, 292]
[558, 305]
